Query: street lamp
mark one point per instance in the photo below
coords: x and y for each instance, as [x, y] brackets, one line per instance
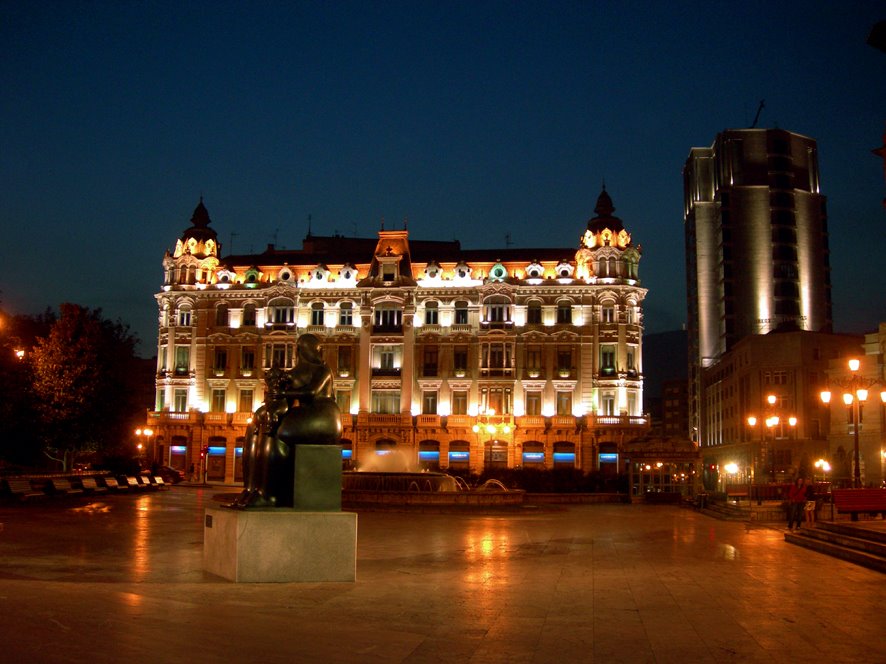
[855, 394]
[147, 433]
[825, 468]
[767, 436]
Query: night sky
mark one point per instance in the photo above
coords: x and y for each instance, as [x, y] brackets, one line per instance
[473, 120]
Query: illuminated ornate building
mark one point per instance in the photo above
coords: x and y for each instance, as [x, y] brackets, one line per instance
[454, 358]
[756, 246]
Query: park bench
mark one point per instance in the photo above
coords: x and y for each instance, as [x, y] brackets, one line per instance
[159, 483]
[853, 501]
[112, 484]
[146, 483]
[133, 483]
[91, 486]
[21, 489]
[62, 487]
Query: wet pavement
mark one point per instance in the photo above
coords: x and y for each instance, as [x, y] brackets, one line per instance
[121, 579]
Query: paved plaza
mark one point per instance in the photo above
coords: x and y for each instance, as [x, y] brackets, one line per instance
[120, 580]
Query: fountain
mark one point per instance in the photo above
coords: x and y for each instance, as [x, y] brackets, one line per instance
[389, 481]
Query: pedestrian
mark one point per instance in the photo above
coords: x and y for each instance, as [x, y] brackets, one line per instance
[192, 474]
[809, 505]
[796, 500]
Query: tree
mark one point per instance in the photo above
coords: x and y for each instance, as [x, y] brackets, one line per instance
[85, 384]
[19, 441]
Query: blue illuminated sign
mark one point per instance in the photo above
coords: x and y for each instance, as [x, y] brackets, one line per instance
[429, 455]
[459, 456]
[533, 457]
[178, 449]
[608, 457]
[347, 454]
[217, 450]
[564, 457]
[238, 451]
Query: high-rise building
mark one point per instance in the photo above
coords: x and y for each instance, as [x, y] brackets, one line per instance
[447, 357]
[756, 245]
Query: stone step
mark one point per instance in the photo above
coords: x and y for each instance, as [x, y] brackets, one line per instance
[844, 547]
[851, 541]
[854, 530]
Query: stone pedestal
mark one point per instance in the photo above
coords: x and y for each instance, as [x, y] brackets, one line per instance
[280, 545]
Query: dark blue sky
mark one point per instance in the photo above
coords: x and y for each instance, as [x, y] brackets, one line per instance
[471, 119]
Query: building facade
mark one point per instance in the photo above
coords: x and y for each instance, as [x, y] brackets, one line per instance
[764, 419]
[871, 431]
[444, 357]
[756, 236]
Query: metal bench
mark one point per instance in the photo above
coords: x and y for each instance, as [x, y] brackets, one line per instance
[853, 501]
[21, 488]
[159, 483]
[91, 486]
[133, 483]
[111, 484]
[62, 487]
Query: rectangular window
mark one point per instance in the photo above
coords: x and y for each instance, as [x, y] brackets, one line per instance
[317, 315]
[388, 318]
[460, 359]
[249, 316]
[430, 363]
[431, 314]
[564, 313]
[533, 359]
[161, 399]
[533, 403]
[386, 402]
[461, 313]
[283, 315]
[217, 403]
[245, 404]
[182, 359]
[607, 359]
[564, 359]
[630, 360]
[533, 314]
[343, 400]
[608, 314]
[609, 404]
[184, 317]
[344, 359]
[278, 355]
[564, 403]
[180, 400]
[220, 360]
[247, 359]
[346, 314]
[460, 402]
[387, 359]
[429, 402]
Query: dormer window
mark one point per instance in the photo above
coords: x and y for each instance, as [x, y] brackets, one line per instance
[534, 270]
[564, 270]
[388, 273]
[498, 272]
[433, 271]
[319, 274]
[348, 272]
[462, 271]
[285, 275]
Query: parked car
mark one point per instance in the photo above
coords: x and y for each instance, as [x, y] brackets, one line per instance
[170, 475]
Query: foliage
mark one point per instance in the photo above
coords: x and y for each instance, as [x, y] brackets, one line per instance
[19, 439]
[84, 384]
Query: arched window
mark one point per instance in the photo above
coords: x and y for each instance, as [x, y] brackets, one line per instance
[533, 313]
[564, 312]
[317, 313]
[221, 315]
[346, 313]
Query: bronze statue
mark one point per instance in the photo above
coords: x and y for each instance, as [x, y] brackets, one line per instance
[299, 409]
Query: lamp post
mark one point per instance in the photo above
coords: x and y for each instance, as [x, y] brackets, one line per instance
[485, 424]
[147, 449]
[767, 439]
[855, 393]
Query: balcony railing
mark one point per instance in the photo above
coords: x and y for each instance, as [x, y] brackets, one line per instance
[428, 421]
[378, 371]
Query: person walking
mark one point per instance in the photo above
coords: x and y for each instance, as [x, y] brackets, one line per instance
[810, 505]
[796, 500]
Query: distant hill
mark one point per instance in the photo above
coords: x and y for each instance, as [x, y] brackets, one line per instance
[665, 357]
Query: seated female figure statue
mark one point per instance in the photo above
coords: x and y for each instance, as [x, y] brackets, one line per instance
[299, 410]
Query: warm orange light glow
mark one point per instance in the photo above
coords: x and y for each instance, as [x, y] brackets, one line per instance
[847, 399]
[752, 421]
[883, 396]
[862, 394]
[854, 364]
[792, 421]
[826, 396]
[771, 399]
